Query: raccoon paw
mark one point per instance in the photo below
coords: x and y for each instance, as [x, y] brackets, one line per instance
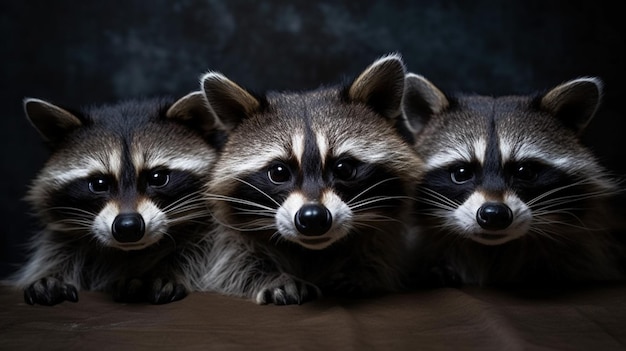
[165, 291]
[291, 291]
[129, 290]
[50, 291]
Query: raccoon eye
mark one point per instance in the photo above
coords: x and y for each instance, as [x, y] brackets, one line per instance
[279, 173]
[158, 179]
[99, 185]
[461, 174]
[526, 172]
[344, 170]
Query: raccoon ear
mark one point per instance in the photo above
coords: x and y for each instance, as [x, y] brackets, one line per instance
[574, 102]
[228, 102]
[52, 122]
[422, 99]
[192, 108]
[380, 86]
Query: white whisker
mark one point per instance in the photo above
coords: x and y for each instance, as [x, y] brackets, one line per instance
[259, 190]
[71, 210]
[195, 196]
[439, 205]
[561, 188]
[438, 196]
[369, 201]
[368, 189]
[245, 211]
[238, 200]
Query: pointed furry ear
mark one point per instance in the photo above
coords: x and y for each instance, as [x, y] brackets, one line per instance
[422, 99]
[52, 122]
[380, 86]
[574, 102]
[193, 109]
[229, 102]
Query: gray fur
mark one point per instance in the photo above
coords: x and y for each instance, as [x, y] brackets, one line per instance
[75, 251]
[270, 263]
[571, 245]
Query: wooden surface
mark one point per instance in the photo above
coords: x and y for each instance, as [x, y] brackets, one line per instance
[591, 318]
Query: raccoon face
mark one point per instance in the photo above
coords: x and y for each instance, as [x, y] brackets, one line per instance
[125, 175]
[502, 168]
[318, 201]
[313, 168]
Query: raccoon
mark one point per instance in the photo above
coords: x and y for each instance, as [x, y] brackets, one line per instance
[510, 194]
[120, 199]
[310, 192]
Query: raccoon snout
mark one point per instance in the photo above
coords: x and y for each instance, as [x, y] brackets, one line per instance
[128, 227]
[494, 216]
[313, 220]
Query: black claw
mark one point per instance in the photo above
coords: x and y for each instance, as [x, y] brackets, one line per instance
[180, 292]
[161, 291]
[28, 296]
[267, 297]
[280, 297]
[164, 291]
[71, 294]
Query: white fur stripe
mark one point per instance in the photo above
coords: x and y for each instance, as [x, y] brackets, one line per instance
[372, 152]
[526, 150]
[322, 145]
[108, 162]
[196, 163]
[297, 146]
[480, 150]
[249, 163]
[454, 154]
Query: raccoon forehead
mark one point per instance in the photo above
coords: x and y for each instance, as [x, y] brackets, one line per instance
[69, 166]
[369, 139]
[570, 160]
[369, 151]
[240, 161]
[510, 150]
[455, 150]
[195, 160]
[169, 145]
[523, 149]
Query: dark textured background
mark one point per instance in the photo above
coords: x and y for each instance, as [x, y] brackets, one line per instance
[85, 52]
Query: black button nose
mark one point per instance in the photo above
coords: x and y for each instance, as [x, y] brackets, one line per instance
[313, 220]
[494, 216]
[128, 227]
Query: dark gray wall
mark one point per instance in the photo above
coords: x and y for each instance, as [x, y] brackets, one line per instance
[87, 52]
